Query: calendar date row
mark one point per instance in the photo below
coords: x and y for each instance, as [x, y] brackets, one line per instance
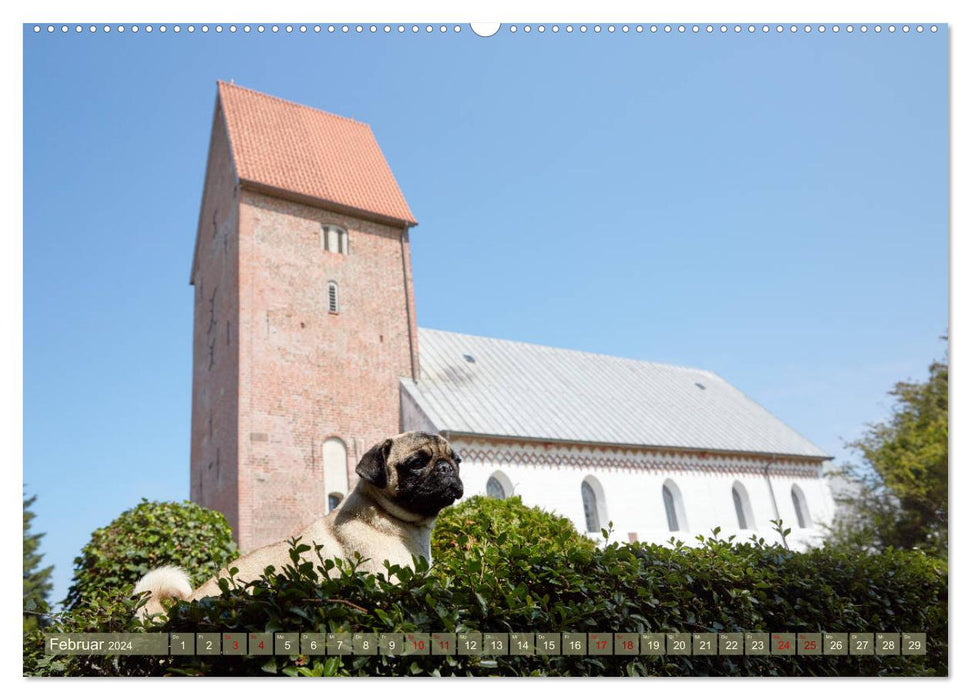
[493, 644]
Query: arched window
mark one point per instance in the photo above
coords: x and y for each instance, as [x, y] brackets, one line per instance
[590, 507]
[335, 471]
[669, 508]
[333, 239]
[743, 507]
[673, 506]
[499, 486]
[802, 510]
[594, 506]
[333, 301]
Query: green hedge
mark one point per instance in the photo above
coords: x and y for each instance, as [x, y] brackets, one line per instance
[150, 535]
[503, 567]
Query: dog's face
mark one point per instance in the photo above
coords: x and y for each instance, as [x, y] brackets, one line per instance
[416, 471]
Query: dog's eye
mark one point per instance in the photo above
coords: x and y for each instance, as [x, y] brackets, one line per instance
[456, 459]
[416, 462]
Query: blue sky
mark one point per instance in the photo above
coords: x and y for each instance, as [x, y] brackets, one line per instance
[771, 207]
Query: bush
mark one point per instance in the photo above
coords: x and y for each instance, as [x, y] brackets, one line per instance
[502, 567]
[149, 535]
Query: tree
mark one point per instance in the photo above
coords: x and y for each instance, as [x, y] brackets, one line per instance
[37, 581]
[902, 499]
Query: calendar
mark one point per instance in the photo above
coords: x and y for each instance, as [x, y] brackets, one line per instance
[491, 644]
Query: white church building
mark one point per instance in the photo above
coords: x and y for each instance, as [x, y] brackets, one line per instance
[659, 451]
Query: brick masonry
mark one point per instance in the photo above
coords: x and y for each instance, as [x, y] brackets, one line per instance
[288, 374]
[215, 348]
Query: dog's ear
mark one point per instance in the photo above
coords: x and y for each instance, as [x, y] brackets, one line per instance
[373, 466]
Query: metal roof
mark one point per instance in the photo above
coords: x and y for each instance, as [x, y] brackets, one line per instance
[484, 386]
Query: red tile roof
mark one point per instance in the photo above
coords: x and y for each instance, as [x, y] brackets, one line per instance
[308, 152]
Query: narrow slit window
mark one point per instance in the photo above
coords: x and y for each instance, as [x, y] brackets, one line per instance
[333, 300]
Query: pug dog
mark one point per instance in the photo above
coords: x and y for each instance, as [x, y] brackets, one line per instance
[405, 482]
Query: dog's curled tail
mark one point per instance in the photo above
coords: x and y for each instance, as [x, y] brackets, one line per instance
[163, 583]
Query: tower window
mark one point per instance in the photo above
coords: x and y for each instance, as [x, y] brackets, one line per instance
[335, 471]
[333, 239]
[333, 301]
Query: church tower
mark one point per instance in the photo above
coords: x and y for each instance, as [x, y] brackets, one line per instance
[304, 312]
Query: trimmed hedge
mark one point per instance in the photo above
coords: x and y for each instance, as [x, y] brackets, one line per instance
[142, 538]
[503, 567]
[150, 535]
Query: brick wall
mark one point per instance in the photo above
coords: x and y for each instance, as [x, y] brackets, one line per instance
[275, 374]
[215, 346]
[306, 374]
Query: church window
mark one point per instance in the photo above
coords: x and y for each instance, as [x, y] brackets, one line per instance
[590, 507]
[743, 507]
[739, 513]
[594, 508]
[335, 471]
[333, 301]
[673, 506]
[333, 239]
[499, 486]
[802, 509]
[669, 509]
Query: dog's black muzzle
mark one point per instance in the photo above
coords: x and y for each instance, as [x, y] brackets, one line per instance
[449, 474]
